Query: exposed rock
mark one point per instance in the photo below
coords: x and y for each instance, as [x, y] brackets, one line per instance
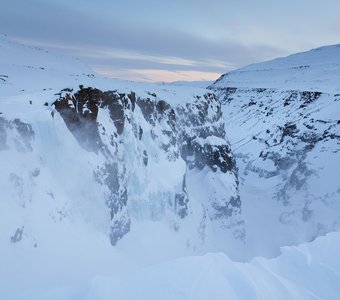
[17, 236]
[193, 132]
[283, 140]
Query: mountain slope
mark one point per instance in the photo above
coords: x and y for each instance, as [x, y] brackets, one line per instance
[284, 130]
[314, 70]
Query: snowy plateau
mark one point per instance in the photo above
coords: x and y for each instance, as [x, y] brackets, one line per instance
[112, 189]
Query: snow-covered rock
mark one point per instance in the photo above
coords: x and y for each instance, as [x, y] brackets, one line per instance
[283, 124]
[148, 167]
[157, 160]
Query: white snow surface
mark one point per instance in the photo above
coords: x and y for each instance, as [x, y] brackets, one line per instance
[314, 70]
[307, 272]
[197, 84]
[37, 74]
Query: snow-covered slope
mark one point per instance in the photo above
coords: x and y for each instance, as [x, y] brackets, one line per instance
[307, 272]
[315, 70]
[197, 84]
[284, 128]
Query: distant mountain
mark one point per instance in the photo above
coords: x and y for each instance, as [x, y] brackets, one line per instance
[314, 70]
[198, 84]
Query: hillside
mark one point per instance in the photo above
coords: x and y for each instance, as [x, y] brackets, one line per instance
[314, 70]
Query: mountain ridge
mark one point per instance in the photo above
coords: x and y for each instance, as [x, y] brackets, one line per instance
[313, 70]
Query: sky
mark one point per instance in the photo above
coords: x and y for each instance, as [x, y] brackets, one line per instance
[170, 40]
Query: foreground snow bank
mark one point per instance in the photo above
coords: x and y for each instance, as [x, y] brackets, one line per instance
[309, 271]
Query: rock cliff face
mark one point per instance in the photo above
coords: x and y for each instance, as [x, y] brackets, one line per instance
[146, 166]
[151, 151]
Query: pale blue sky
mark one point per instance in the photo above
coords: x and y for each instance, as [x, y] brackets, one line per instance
[172, 40]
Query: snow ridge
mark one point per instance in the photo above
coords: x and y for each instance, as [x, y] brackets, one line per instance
[314, 70]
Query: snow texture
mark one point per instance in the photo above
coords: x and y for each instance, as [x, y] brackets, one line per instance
[315, 70]
[285, 140]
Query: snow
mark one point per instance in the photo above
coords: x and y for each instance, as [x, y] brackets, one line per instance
[197, 84]
[24, 64]
[210, 140]
[48, 193]
[315, 70]
[290, 181]
[308, 271]
[255, 131]
[54, 223]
